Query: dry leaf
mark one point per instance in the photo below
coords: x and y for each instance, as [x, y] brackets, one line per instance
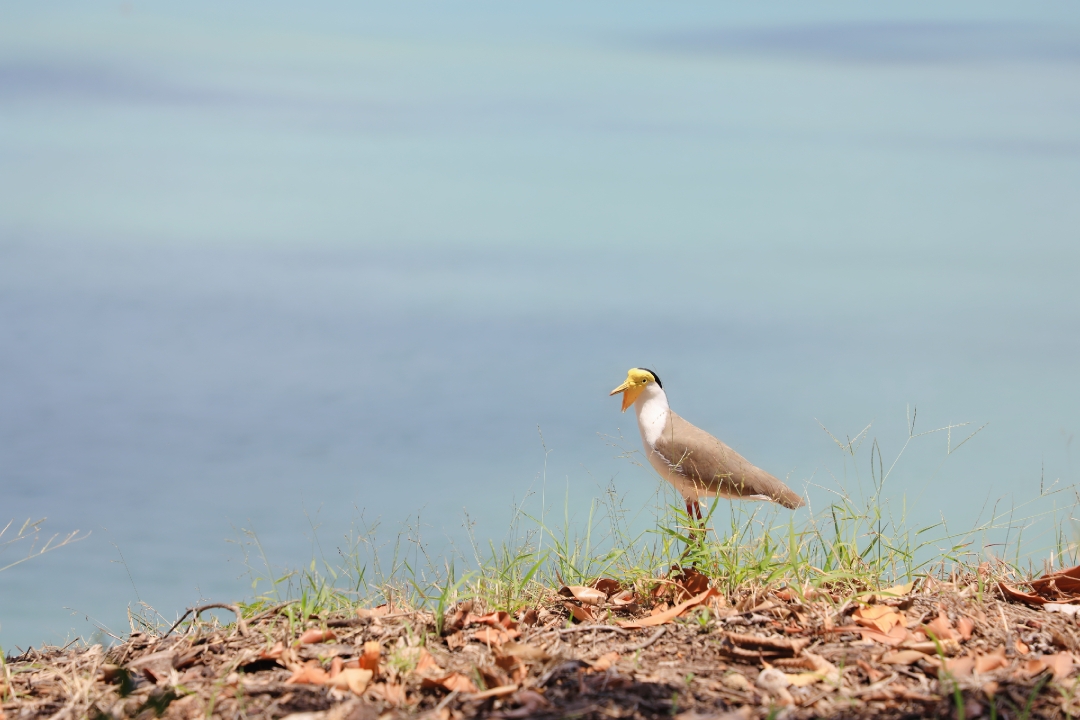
[1060, 664]
[942, 628]
[273, 653]
[524, 651]
[605, 661]
[451, 682]
[529, 617]
[370, 659]
[871, 673]
[991, 661]
[335, 666]
[621, 599]
[309, 675]
[691, 582]
[894, 637]
[310, 637]
[369, 613]
[965, 626]
[1021, 647]
[581, 614]
[496, 619]
[353, 679]
[902, 657]
[394, 694]
[495, 635]
[897, 590]
[880, 617]
[607, 586]
[669, 615]
[1013, 594]
[961, 666]
[587, 595]
[425, 662]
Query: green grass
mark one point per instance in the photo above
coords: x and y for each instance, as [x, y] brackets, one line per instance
[861, 541]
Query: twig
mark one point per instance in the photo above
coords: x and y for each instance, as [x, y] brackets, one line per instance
[578, 628]
[647, 642]
[445, 701]
[241, 626]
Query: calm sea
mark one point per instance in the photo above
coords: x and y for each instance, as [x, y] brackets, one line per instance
[294, 272]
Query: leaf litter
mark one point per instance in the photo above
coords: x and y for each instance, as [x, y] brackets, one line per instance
[673, 646]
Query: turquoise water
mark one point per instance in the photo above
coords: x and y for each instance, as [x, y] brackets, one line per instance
[260, 266]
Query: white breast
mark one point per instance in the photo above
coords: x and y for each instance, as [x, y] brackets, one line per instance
[652, 414]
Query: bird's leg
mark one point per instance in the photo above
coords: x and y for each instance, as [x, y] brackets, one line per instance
[693, 512]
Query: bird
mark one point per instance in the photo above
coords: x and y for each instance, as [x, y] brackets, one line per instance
[692, 460]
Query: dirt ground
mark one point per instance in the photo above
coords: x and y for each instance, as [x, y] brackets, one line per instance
[967, 648]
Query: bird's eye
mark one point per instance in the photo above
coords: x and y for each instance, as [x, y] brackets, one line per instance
[645, 380]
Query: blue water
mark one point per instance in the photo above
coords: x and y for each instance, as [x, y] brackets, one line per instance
[263, 268]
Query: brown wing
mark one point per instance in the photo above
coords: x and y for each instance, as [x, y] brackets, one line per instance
[715, 467]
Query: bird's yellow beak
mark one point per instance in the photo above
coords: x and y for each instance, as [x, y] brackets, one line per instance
[630, 390]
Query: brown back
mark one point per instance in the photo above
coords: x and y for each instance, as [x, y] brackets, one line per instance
[715, 467]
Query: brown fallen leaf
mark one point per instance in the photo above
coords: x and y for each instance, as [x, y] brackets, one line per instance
[669, 615]
[1060, 664]
[961, 666]
[495, 635]
[425, 662]
[524, 651]
[690, 582]
[902, 657]
[1021, 647]
[353, 679]
[897, 591]
[455, 641]
[370, 659]
[605, 661]
[456, 619]
[607, 586]
[879, 617]
[581, 593]
[336, 666]
[529, 617]
[896, 635]
[1012, 593]
[496, 619]
[452, 682]
[579, 613]
[991, 661]
[272, 653]
[309, 675]
[941, 628]
[394, 694]
[872, 674]
[310, 637]
[369, 613]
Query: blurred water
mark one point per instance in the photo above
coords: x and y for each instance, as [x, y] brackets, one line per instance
[257, 266]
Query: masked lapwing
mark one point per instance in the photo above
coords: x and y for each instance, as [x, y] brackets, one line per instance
[692, 460]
